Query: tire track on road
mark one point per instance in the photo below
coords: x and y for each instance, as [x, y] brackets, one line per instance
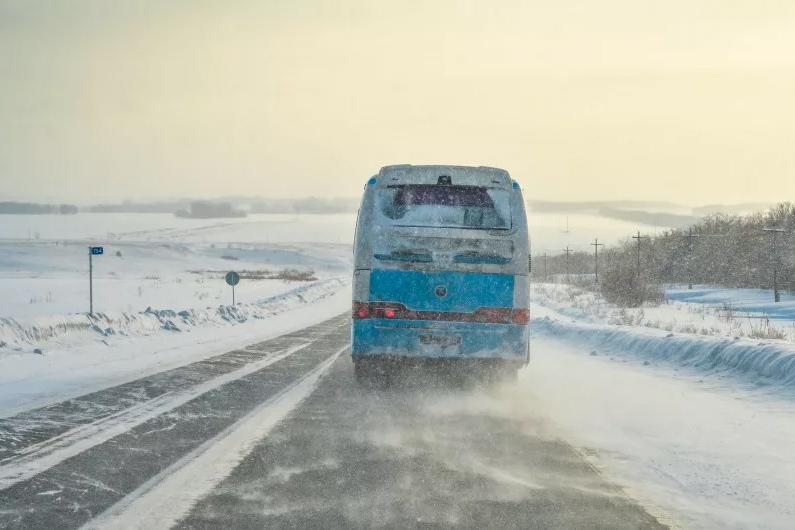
[74, 491]
[39, 457]
[36, 426]
[167, 497]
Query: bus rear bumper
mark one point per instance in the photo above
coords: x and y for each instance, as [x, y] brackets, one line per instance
[373, 338]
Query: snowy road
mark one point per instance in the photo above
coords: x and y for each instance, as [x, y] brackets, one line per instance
[279, 435]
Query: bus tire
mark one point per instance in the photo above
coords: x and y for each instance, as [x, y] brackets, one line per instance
[502, 372]
[369, 374]
[510, 374]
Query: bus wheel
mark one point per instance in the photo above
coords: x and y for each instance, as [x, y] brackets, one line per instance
[369, 374]
[501, 373]
[510, 374]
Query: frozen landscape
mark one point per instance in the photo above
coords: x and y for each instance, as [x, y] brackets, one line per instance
[688, 405]
[694, 418]
[160, 298]
[423, 265]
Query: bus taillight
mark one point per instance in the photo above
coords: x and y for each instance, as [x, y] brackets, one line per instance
[493, 315]
[361, 310]
[486, 315]
[521, 316]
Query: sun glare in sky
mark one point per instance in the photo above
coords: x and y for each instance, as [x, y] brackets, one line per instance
[685, 100]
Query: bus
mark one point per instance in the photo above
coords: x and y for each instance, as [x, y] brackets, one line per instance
[441, 263]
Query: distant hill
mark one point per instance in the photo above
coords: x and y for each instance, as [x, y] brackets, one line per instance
[306, 205]
[652, 213]
[311, 205]
[672, 220]
[595, 206]
[743, 208]
[140, 207]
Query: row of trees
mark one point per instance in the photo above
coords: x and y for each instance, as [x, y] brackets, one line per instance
[31, 208]
[723, 250]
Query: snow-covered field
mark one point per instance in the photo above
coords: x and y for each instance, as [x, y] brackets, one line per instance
[689, 405]
[750, 302]
[712, 312]
[696, 421]
[107, 227]
[159, 294]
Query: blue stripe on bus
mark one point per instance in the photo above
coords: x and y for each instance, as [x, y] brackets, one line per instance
[376, 337]
[465, 291]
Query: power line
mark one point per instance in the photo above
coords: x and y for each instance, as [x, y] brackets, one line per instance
[545, 267]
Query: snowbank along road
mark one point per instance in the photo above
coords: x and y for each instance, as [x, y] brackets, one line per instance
[279, 435]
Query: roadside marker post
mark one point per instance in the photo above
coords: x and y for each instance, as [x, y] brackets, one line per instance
[92, 251]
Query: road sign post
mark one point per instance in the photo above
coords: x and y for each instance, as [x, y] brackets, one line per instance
[232, 278]
[92, 251]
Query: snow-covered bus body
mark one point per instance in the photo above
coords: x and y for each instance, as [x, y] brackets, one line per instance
[441, 268]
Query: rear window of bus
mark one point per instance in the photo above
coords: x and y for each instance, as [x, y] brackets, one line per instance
[445, 206]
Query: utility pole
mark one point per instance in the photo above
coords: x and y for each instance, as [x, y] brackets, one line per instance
[775, 232]
[90, 281]
[567, 250]
[596, 244]
[690, 235]
[639, 237]
[545, 267]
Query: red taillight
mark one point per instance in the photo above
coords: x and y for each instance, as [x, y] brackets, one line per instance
[493, 315]
[395, 311]
[502, 315]
[521, 316]
[361, 310]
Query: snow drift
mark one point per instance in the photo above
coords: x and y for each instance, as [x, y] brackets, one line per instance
[758, 363]
[24, 335]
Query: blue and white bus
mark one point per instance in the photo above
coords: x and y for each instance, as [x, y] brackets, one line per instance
[441, 270]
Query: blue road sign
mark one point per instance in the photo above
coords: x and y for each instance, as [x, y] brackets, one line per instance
[97, 251]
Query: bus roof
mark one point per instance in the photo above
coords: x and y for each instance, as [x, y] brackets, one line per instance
[458, 175]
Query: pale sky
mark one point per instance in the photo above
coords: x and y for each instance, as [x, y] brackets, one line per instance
[685, 100]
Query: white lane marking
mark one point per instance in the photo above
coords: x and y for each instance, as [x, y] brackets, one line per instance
[168, 496]
[44, 455]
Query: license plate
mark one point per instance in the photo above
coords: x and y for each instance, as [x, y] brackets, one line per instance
[440, 340]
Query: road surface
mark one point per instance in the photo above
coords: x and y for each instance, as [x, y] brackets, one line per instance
[280, 435]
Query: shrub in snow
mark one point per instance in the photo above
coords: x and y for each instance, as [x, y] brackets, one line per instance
[168, 325]
[621, 285]
[763, 330]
